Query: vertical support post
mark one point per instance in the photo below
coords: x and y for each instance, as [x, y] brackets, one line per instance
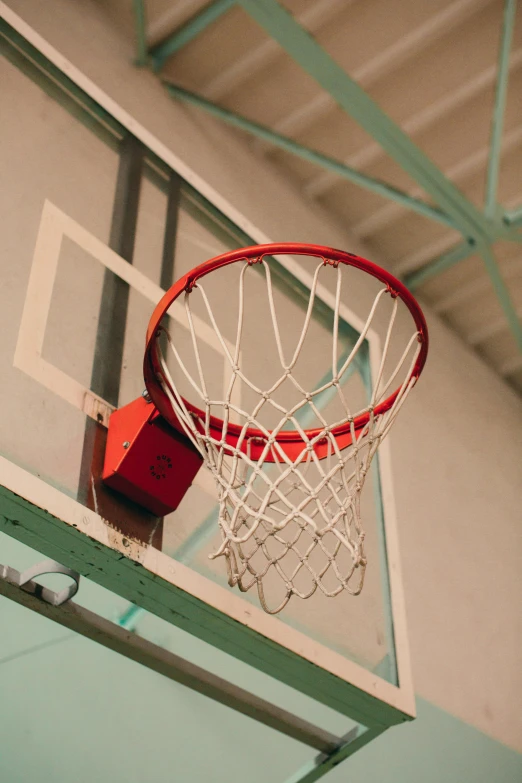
[140, 19]
[131, 616]
[171, 230]
[108, 356]
[497, 121]
[108, 353]
[169, 241]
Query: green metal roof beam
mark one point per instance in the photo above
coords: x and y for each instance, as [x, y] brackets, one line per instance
[502, 293]
[300, 45]
[458, 253]
[497, 121]
[312, 156]
[190, 30]
[140, 22]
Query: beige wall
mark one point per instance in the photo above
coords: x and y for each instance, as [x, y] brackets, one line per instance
[457, 449]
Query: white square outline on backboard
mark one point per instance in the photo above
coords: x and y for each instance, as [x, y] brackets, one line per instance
[73, 514]
[54, 226]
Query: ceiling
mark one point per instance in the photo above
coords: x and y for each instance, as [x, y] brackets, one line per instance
[424, 162]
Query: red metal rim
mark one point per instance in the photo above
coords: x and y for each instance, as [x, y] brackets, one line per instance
[290, 441]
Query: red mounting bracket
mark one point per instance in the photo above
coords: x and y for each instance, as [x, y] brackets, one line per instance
[146, 460]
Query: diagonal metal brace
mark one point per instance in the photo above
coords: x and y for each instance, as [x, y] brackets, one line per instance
[312, 156]
[351, 742]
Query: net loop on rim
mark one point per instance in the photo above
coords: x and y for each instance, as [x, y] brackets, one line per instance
[289, 502]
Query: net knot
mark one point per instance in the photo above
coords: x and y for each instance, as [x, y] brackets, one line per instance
[330, 262]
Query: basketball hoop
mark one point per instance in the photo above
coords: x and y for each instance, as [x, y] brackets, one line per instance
[289, 499]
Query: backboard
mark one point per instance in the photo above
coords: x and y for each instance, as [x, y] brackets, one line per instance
[100, 219]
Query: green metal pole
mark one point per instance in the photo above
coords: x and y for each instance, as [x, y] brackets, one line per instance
[188, 32]
[140, 20]
[497, 120]
[312, 156]
[458, 253]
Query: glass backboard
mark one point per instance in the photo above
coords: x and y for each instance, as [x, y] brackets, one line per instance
[98, 223]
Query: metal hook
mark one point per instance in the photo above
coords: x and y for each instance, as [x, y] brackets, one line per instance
[52, 567]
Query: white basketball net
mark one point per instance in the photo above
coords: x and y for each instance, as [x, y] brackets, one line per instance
[298, 520]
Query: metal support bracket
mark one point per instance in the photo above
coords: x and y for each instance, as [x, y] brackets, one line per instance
[26, 581]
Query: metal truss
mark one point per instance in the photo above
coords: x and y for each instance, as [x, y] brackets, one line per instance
[479, 229]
